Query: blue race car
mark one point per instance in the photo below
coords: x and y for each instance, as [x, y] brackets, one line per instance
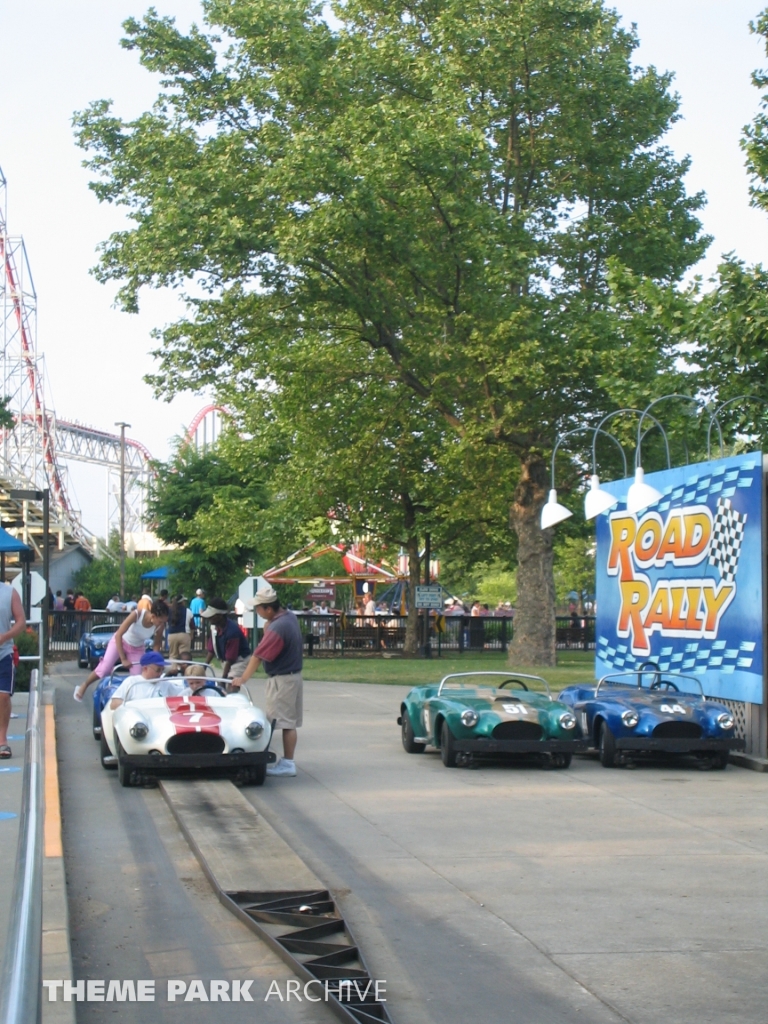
[101, 694]
[646, 712]
[93, 644]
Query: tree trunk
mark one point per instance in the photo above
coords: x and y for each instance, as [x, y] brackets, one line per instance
[412, 624]
[534, 623]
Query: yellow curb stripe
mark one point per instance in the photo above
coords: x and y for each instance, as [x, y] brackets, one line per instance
[52, 823]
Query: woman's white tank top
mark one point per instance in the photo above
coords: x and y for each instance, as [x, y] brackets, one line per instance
[137, 633]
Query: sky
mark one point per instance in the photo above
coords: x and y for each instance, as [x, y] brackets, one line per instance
[59, 57]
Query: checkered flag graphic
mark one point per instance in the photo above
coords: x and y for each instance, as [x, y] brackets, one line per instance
[727, 538]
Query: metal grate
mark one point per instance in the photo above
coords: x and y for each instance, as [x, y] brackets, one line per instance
[311, 935]
[195, 743]
[517, 731]
[678, 730]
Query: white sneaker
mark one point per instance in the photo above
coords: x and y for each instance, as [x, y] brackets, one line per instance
[283, 767]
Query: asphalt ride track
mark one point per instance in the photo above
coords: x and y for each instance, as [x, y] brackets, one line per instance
[499, 894]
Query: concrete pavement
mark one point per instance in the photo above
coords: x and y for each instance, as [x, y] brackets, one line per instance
[511, 893]
[11, 774]
[502, 894]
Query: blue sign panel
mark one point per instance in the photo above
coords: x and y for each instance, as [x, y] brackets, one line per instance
[681, 582]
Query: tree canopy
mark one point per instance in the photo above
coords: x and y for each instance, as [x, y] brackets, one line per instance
[451, 187]
[210, 503]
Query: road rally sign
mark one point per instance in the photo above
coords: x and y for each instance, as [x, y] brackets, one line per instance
[681, 582]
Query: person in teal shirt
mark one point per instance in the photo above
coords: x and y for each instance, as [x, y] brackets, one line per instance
[196, 606]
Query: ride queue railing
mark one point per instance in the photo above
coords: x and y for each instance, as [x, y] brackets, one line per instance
[351, 634]
[21, 973]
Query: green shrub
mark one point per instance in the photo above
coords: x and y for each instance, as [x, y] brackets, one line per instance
[27, 644]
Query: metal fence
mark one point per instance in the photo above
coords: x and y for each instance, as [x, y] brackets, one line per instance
[376, 634]
[20, 979]
[351, 634]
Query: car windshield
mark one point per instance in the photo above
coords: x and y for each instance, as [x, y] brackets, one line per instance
[653, 679]
[472, 681]
[111, 628]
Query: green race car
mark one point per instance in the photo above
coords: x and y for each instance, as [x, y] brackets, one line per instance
[478, 719]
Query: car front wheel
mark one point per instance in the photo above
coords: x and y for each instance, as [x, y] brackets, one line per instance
[107, 758]
[82, 662]
[410, 746]
[607, 746]
[96, 724]
[125, 775]
[560, 760]
[447, 747]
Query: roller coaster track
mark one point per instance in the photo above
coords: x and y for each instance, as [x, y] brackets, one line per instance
[34, 453]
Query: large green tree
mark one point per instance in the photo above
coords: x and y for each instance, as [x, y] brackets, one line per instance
[211, 503]
[446, 184]
[368, 459]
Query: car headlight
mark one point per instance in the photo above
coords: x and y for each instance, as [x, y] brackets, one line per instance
[725, 721]
[630, 718]
[253, 730]
[567, 720]
[139, 730]
[469, 718]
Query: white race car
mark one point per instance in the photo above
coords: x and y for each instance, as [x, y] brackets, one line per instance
[225, 734]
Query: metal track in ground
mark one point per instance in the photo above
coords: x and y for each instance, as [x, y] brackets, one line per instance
[263, 882]
[307, 931]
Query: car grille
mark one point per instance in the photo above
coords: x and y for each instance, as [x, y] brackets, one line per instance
[195, 743]
[677, 731]
[517, 731]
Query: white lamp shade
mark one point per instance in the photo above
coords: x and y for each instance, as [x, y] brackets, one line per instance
[553, 513]
[596, 500]
[640, 495]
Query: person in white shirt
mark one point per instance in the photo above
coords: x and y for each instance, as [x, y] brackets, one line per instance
[148, 684]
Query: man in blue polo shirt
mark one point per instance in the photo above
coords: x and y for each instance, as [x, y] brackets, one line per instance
[282, 651]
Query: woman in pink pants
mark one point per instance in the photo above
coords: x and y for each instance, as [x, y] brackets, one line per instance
[129, 643]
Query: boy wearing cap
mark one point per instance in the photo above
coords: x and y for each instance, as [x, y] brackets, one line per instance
[146, 685]
[281, 650]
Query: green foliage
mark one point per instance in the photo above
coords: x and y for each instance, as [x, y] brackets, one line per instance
[210, 503]
[433, 196]
[7, 419]
[574, 567]
[27, 644]
[100, 579]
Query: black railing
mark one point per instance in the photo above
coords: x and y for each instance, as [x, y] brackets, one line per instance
[351, 634]
[375, 634]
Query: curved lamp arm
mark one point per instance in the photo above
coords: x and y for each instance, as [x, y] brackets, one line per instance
[640, 413]
[713, 419]
[645, 412]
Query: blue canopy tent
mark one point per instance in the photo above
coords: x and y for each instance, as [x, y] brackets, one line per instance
[161, 573]
[11, 545]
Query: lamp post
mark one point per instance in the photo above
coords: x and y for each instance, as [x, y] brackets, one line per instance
[45, 497]
[122, 506]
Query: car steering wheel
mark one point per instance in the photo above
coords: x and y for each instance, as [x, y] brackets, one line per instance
[664, 684]
[210, 686]
[508, 681]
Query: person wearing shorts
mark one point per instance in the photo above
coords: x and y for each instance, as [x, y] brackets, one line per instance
[281, 650]
[12, 622]
[129, 643]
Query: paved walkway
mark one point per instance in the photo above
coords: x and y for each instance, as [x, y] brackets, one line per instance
[11, 773]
